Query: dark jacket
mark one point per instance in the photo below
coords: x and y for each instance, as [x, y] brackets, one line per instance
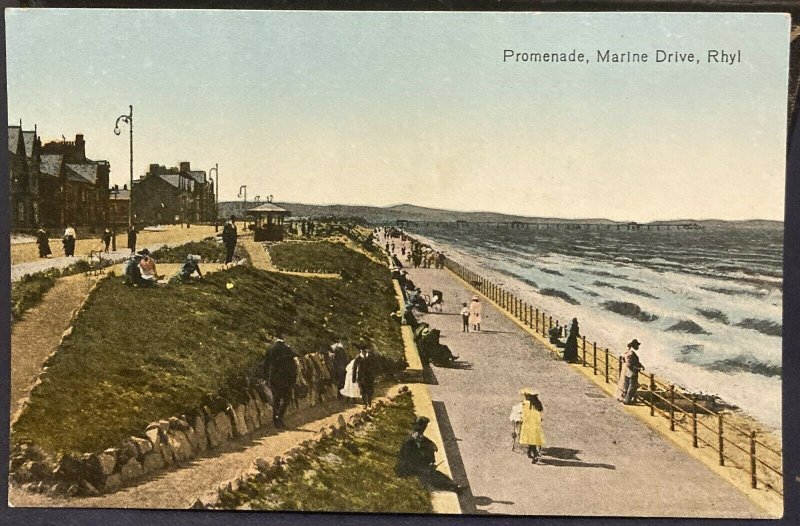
[229, 234]
[279, 366]
[417, 456]
[365, 369]
[132, 238]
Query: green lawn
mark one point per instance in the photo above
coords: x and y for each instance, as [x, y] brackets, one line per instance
[138, 354]
[357, 476]
[209, 249]
[312, 255]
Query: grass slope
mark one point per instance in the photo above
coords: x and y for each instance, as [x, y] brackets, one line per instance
[139, 354]
[209, 249]
[356, 475]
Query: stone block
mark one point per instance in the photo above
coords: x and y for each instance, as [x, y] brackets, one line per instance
[107, 461]
[131, 471]
[181, 448]
[254, 419]
[112, 483]
[143, 445]
[152, 461]
[200, 433]
[214, 437]
[224, 426]
[239, 421]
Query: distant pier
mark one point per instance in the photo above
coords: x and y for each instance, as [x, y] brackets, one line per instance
[549, 225]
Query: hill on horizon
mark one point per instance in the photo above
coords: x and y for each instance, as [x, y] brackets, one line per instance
[390, 214]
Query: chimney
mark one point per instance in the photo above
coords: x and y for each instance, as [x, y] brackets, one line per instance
[153, 169]
[185, 167]
[80, 147]
[125, 186]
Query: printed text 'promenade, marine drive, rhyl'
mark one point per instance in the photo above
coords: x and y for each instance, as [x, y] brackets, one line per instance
[608, 56]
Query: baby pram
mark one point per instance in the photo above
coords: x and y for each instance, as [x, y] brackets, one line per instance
[435, 299]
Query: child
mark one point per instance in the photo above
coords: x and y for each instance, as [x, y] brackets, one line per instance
[465, 317]
[531, 433]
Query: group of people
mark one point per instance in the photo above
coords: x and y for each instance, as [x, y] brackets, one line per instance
[108, 238]
[471, 315]
[354, 378]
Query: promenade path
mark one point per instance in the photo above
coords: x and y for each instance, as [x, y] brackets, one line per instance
[25, 259]
[599, 460]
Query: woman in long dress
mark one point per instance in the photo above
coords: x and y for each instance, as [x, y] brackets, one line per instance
[69, 242]
[531, 433]
[43, 242]
[629, 376]
[475, 313]
[350, 389]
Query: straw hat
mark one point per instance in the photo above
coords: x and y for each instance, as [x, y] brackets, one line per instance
[475, 298]
[528, 391]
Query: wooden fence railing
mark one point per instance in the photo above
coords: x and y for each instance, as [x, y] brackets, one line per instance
[708, 428]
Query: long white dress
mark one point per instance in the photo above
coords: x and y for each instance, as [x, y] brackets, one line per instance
[350, 389]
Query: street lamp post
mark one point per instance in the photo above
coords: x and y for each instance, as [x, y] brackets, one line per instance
[128, 119]
[243, 188]
[216, 195]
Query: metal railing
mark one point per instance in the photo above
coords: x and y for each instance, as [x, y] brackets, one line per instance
[734, 445]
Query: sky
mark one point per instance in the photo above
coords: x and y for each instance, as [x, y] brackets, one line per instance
[389, 108]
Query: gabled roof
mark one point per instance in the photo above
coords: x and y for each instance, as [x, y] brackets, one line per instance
[13, 138]
[51, 164]
[173, 179]
[87, 171]
[29, 138]
[198, 176]
[73, 175]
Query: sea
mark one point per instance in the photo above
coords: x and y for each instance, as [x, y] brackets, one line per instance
[705, 304]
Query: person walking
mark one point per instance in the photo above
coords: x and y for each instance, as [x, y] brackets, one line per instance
[106, 237]
[465, 317]
[417, 457]
[475, 313]
[571, 347]
[230, 235]
[530, 431]
[364, 373]
[43, 242]
[339, 360]
[629, 375]
[69, 241]
[132, 235]
[280, 369]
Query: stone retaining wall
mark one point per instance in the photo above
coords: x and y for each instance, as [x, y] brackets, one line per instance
[165, 443]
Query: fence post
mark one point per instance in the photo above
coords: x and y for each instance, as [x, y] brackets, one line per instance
[694, 420]
[721, 440]
[753, 479]
[537, 320]
[652, 393]
[672, 407]
[549, 324]
[583, 346]
[594, 358]
[606, 365]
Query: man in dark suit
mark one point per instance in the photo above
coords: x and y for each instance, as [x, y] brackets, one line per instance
[229, 237]
[417, 457]
[281, 371]
[364, 373]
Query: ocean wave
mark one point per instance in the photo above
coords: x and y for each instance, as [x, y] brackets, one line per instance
[770, 328]
[549, 271]
[559, 294]
[630, 310]
[603, 284]
[637, 292]
[714, 314]
[687, 326]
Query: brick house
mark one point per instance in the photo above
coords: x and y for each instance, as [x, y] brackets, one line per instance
[118, 203]
[73, 189]
[171, 195]
[23, 153]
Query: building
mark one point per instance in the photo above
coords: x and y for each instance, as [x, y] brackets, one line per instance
[119, 200]
[173, 195]
[72, 189]
[268, 222]
[23, 153]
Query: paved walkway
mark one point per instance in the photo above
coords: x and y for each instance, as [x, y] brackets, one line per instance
[179, 487]
[599, 459]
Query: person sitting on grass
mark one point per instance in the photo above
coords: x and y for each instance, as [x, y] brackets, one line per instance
[148, 267]
[133, 272]
[417, 457]
[190, 267]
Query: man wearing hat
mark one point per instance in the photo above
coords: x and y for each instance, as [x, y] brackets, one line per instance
[364, 372]
[629, 377]
[229, 237]
[280, 368]
[418, 458]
